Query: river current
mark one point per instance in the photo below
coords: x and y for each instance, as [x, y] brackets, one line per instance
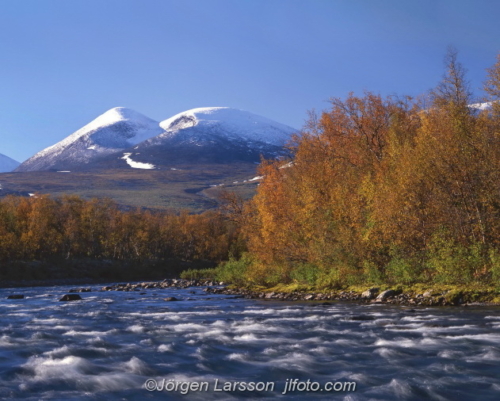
[137, 346]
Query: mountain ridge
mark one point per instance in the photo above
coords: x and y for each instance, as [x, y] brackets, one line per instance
[124, 138]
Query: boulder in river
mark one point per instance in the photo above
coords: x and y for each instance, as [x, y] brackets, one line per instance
[370, 293]
[170, 299]
[71, 297]
[384, 295]
[361, 317]
[16, 296]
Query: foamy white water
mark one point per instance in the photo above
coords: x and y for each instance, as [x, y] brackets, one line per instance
[107, 345]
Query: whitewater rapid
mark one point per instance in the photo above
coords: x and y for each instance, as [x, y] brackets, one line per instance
[109, 344]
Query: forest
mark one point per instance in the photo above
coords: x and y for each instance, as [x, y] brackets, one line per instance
[383, 190]
[43, 237]
[379, 190]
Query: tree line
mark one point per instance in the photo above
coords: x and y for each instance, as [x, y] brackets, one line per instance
[63, 231]
[383, 190]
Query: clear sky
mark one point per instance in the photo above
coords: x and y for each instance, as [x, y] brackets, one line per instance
[64, 62]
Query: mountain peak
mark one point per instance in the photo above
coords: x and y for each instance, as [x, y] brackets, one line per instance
[238, 123]
[115, 130]
[117, 115]
[7, 164]
[120, 114]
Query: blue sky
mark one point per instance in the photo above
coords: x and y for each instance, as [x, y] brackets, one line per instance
[64, 62]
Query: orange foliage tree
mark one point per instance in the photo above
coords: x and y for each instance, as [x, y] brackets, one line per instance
[392, 189]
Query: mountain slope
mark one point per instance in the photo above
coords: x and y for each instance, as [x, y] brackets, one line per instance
[123, 138]
[213, 135]
[111, 132]
[228, 122]
[184, 162]
[7, 164]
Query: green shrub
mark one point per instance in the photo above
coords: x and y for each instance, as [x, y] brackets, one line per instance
[330, 279]
[494, 256]
[403, 270]
[234, 271]
[371, 273]
[305, 273]
[199, 274]
[452, 263]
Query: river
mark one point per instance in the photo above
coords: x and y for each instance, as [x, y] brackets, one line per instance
[137, 346]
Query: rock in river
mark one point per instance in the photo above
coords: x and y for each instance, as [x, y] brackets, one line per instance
[71, 297]
[369, 294]
[384, 295]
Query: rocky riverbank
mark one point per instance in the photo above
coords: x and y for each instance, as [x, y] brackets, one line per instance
[372, 296]
[135, 286]
[167, 283]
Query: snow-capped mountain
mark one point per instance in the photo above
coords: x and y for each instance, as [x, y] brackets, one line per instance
[123, 138]
[214, 135]
[111, 132]
[7, 164]
[230, 123]
[481, 106]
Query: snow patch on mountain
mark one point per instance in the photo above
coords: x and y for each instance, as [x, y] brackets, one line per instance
[481, 106]
[134, 164]
[7, 164]
[233, 124]
[287, 165]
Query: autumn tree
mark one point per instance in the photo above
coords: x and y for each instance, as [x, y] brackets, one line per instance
[392, 189]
